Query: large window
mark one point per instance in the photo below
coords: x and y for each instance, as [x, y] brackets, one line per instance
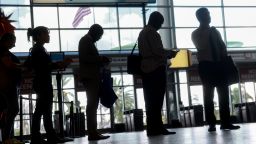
[232, 17]
[123, 87]
[122, 24]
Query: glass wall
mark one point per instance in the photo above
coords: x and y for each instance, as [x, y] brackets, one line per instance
[231, 17]
[234, 19]
[119, 32]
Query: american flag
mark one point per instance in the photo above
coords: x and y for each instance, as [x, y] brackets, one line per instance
[81, 12]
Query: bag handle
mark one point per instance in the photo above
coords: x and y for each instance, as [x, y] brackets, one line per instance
[134, 47]
[213, 48]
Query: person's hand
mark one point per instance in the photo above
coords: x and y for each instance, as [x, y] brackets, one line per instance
[64, 63]
[173, 53]
[67, 61]
[105, 59]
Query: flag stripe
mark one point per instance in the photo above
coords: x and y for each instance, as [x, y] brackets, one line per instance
[81, 12]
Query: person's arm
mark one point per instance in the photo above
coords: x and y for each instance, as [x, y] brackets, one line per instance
[62, 64]
[193, 37]
[155, 42]
[86, 54]
[40, 60]
[7, 61]
[221, 43]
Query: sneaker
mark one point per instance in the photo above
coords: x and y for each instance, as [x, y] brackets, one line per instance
[36, 138]
[166, 132]
[229, 127]
[39, 141]
[212, 129]
[97, 137]
[153, 133]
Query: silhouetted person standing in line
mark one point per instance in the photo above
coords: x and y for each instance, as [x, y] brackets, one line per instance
[91, 63]
[211, 51]
[154, 64]
[10, 77]
[42, 84]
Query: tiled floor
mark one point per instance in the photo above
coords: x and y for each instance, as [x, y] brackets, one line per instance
[193, 135]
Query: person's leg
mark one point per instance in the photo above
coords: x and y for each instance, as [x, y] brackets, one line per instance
[36, 120]
[92, 87]
[224, 107]
[209, 104]
[158, 87]
[47, 115]
[12, 111]
[149, 103]
[224, 104]
[92, 94]
[207, 75]
[154, 86]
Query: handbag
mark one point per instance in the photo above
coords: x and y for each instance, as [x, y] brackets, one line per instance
[134, 63]
[107, 95]
[231, 71]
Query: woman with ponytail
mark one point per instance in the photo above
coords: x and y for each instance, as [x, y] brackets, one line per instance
[42, 84]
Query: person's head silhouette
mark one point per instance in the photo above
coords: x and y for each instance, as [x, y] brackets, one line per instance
[7, 41]
[96, 32]
[203, 16]
[156, 20]
[39, 34]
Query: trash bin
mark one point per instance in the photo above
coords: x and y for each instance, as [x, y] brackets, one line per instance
[127, 120]
[133, 120]
[182, 117]
[185, 116]
[56, 121]
[245, 112]
[137, 119]
[238, 112]
[197, 117]
[119, 127]
[251, 111]
[192, 116]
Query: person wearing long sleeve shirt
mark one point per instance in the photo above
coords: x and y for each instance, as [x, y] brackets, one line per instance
[42, 66]
[153, 65]
[90, 64]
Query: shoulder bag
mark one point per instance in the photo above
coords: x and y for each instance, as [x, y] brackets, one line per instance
[134, 63]
[230, 70]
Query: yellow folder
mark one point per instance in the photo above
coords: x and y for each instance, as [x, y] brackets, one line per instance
[182, 59]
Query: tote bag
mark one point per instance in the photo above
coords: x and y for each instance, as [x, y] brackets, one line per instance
[231, 71]
[107, 95]
[134, 63]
